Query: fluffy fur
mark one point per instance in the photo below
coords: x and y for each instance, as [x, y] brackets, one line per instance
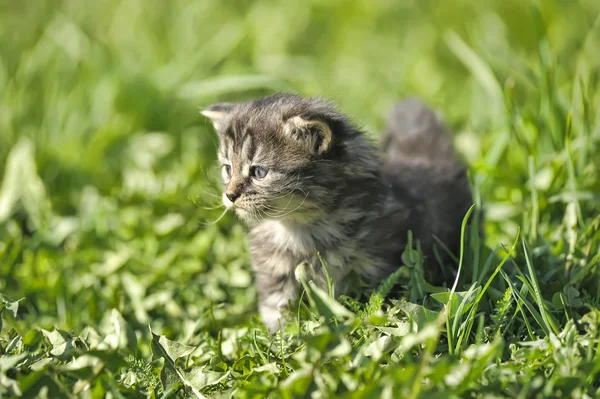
[306, 180]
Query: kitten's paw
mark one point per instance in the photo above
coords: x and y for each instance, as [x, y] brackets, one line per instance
[272, 319]
[306, 272]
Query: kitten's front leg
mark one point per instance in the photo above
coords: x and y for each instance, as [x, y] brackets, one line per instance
[275, 291]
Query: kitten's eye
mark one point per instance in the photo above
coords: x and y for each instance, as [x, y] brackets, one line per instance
[227, 169]
[258, 172]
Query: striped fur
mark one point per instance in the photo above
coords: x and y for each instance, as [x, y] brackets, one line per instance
[327, 190]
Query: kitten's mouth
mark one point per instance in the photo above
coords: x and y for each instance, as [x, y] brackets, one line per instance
[226, 202]
[242, 208]
[295, 206]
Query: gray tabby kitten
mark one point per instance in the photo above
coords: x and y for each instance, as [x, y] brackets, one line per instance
[306, 180]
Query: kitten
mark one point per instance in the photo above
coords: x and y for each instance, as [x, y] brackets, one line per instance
[306, 180]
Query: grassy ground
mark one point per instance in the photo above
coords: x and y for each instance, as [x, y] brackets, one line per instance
[124, 288]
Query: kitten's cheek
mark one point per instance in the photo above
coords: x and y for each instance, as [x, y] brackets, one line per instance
[228, 204]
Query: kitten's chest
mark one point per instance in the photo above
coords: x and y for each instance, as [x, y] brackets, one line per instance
[276, 237]
[278, 248]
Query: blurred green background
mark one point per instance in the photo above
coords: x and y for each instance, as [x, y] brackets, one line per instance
[108, 181]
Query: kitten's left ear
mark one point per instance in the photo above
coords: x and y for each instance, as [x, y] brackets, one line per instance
[217, 113]
[313, 133]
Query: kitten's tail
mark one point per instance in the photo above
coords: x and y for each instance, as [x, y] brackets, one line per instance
[421, 161]
[419, 153]
[413, 132]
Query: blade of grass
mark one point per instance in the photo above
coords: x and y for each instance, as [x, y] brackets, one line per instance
[519, 307]
[460, 263]
[535, 211]
[547, 317]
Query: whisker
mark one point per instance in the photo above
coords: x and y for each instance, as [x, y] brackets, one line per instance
[218, 219]
[279, 213]
[296, 208]
[212, 208]
[208, 193]
[289, 201]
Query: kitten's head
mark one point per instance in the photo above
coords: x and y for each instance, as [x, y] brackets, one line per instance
[268, 149]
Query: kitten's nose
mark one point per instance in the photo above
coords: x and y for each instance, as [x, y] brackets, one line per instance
[233, 195]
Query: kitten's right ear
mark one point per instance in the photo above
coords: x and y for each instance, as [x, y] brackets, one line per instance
[217, 113]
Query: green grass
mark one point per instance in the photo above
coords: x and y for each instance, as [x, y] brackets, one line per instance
[116, 283]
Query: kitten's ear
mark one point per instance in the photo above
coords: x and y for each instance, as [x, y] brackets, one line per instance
[314, 133]
[217, 113]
